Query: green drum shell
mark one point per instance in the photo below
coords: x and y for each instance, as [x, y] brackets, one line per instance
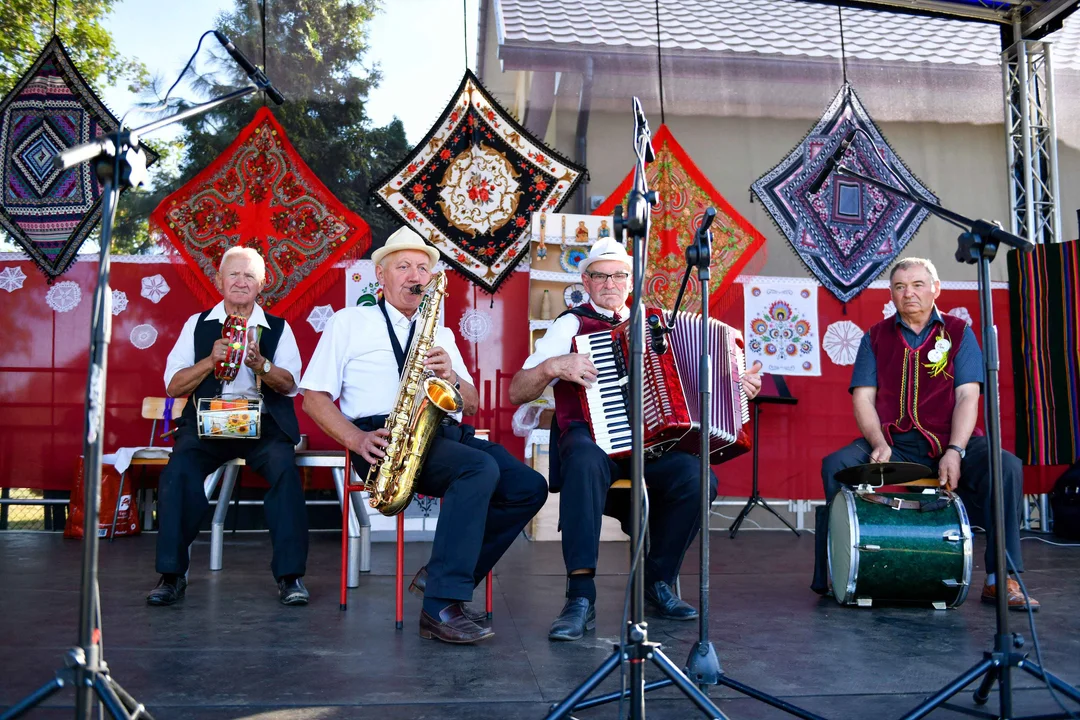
[879, 553]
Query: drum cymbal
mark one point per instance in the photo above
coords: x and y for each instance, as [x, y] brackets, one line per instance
[888, 473]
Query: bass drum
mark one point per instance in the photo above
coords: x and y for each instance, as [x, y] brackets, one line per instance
[880, 553]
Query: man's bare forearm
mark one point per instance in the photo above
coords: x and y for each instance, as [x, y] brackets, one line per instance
[185, 381]
[866, 417]
[965, 415]
[529, 384]
[321, 408]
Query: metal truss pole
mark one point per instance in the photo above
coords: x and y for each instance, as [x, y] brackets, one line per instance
[1031, 141]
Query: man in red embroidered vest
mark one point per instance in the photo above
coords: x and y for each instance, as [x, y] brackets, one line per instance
[915, 388]
[584, 472]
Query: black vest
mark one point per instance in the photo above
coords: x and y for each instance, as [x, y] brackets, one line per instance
[279, 406]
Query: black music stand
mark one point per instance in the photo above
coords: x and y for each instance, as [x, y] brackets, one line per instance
[773, 390]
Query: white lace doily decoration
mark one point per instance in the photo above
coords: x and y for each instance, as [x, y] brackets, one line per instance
[962, 313]
[11, 278]
[154, 288]
[319, 316]
[889, 310]
[143, 336]
[475, 325]
[64, 296]
[841, 342]
[119, 301]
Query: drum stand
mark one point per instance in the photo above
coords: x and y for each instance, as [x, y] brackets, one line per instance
[703, 664]
[755, 496]
[119, 163]
[978, 244]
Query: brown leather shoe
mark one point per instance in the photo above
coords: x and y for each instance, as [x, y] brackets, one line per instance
[452, 627]
[419, 583]
[1016, 598]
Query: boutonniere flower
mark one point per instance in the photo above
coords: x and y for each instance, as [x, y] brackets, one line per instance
[939, 355]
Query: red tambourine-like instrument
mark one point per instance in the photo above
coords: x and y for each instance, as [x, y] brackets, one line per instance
[233, 330]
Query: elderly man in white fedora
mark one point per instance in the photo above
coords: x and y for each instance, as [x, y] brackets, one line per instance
[584, 473]
[487, 495]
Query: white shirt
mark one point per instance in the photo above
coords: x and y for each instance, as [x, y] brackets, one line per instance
[286, 357]
[354, 361]
[557, 339]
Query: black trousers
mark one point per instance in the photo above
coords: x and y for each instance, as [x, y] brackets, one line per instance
[182, 499]
[974, 489]
[488, 496]
[673, 482]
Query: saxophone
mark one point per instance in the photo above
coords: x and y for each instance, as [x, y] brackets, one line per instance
[423, 400]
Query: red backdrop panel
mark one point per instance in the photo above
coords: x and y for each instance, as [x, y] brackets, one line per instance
[43, 360]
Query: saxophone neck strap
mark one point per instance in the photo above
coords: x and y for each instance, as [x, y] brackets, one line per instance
[399, 354]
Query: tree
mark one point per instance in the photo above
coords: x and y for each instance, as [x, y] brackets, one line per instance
[28, 25]
[314, 51]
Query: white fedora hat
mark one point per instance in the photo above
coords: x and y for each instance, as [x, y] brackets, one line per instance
[405, 238]
[607, 249]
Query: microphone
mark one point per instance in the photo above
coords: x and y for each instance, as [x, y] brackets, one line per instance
[659, 336]
[254, 73]
[832, 162]
[706, 222]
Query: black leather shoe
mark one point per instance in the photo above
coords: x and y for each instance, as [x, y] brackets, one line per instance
[452, 627]
[167, 593]
[663, 601]
[577, 616]
[419, 583]
[292, 592]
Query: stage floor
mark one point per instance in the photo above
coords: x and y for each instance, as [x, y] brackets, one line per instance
[229, 650]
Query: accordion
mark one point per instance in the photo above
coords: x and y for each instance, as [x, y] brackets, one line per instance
[671, 407]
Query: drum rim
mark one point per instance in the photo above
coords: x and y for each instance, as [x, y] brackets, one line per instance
[853, 569]
[965, 531]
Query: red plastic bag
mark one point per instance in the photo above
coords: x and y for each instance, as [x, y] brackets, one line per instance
[127, 520]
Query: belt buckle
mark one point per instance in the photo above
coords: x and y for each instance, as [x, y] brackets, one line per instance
[896, 503]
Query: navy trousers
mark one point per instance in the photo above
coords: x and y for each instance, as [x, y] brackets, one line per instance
[182, 500]
[974, 489]
[488, 496]
[587, 473]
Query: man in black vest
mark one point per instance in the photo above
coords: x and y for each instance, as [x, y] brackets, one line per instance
[584, 472]
[271, 367]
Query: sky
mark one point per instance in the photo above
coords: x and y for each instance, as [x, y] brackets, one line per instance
[422, 62]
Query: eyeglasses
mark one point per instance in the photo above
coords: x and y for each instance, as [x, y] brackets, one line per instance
[619, 277]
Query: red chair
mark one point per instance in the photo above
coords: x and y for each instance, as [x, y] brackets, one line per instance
[399, 586]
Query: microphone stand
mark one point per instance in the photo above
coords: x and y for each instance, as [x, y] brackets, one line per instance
[638, 648]
[978, 244]
[703, 663]
[118, 163]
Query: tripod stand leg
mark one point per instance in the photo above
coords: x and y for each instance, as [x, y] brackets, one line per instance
[109, 698]
[982, 693]
[564, 708]
[779, 517]
[39, 696]
[935, 701]
[688, 688]
[768, 699]
[612, 697]
[136, 708]
[1055, 682]
[742, 516]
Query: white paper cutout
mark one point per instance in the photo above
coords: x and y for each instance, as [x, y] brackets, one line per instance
[962, 313]
[475, 325]
[64, 296]
[119, 301]
[143, 336]
[841, 342]
[319, 316]
[154, 288]
[11, 278]
[889, 310]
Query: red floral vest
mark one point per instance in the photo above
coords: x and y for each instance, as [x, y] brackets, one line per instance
[911, 394]
[568, 407]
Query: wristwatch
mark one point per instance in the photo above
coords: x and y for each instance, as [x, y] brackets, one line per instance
[959, 450]
[266, 369]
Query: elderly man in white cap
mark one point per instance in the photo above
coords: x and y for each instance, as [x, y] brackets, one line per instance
[487, 495]
[584, 472]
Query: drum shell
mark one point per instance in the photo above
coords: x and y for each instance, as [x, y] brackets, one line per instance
[899, 555]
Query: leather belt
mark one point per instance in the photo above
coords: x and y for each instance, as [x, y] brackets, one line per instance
[900, 504]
